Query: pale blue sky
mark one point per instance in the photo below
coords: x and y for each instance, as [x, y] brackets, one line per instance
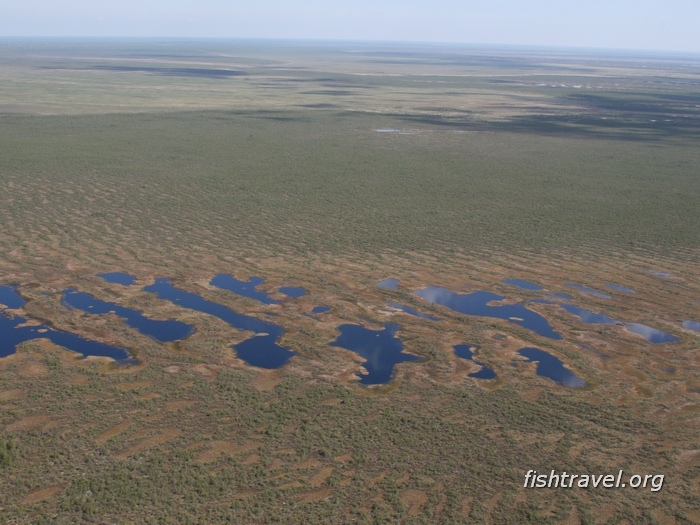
[625, 24]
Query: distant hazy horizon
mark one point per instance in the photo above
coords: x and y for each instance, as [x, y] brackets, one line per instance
[642, 25]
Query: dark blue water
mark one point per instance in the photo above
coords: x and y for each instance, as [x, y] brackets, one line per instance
[10, 298]
[291, 291]
[391, 283]
[620, 288]
[692, 325]
[412, 311]
[118, 278]
[381, 349]
[464, 351]
[261, 350]
[590, 291]
[652, 334]
[321, 309]
[587, 316]
[524, 285]
[476, 304]
[11, 336]
[161, 331]
[244, 288]
[551, 367]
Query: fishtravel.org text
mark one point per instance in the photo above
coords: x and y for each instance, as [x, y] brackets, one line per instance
[533, 480]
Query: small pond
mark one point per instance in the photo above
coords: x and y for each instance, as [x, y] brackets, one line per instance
[590, 291]
[320, 309]
[391, 284]
[620, 288]
[692, 325]
[161, 331]
[291, 291]
[260, 350]
[381, 349]
[587, 316]
[118, 278]
[476, 304]
[660, 274]
[244, 288]
[552, 367]
[652, 335]
[465, 352]
[523, 285]
[412, 311]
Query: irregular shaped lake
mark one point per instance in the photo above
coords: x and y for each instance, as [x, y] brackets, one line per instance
[261, 350]
[391, 284]
[590, 291]
[552, 368]
[161, 331]
[118, 278]
[381, 349]
[587, 316]
[523, 285]
[10, 298]
[652, 335]
[476, 304]
[291, 291]
[412, 311]
[465, 352]
[244, 288]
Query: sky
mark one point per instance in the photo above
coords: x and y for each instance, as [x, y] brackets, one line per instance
[670, 25]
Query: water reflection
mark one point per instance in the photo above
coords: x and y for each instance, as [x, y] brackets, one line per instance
[118, 278]
[587, 316]
[590, 291]
[552, 368]
[620, 288]
[381, 349]
[391, 283]
[652, 335]
[476, 304]
[524, 285]
[692, 325]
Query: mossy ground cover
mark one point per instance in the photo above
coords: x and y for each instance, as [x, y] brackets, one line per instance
[113, 159]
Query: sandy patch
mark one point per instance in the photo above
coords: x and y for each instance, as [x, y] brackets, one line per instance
[41, 494]
[9, 395]
[154, 441]
[320, 477]
[178, 405]
[27, 423]
[34, 369]
[108, 434]
[315, 497]
[135, 385]
[414, 501]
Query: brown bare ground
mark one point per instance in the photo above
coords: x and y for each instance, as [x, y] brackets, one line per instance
[108, 434]
[320, 477]
[309, 463]
[315, 497]
[414, 500]
[466, 506]
[154, 441]
[135, 385]
[34, 369]
[253, 458]
[216, 448]
[268, 380]
[694, 516]
[9, 395]
[41, 494]
[178, 405]
[27, 423]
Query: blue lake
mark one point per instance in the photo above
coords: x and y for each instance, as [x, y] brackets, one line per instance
[381, 349]
[587, 316]
[10, 298]
[476, 304]
[391, 284]
[590, 291]
[320, 309]
[244, 288]
[118, 278]
[11, 335]
[412, 311]
[524, 285]
[620, 288]
[560, 295]
[161, 331]
[552, 367]
[652, 335]
[465, 352]
[692, 325]
[292, 291]
[261, 350]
